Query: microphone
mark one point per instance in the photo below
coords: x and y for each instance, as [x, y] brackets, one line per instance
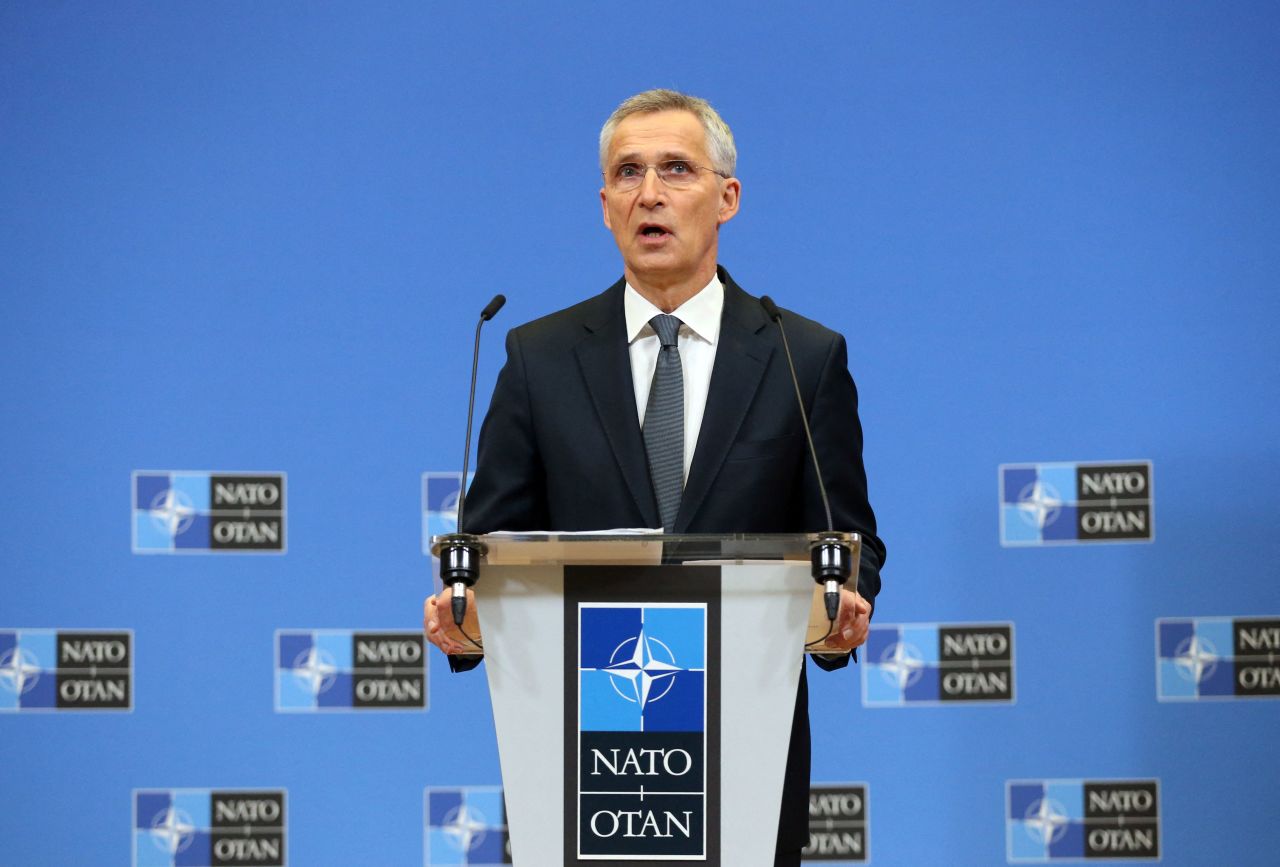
[829, 558]
[460, 552]
[490, 310]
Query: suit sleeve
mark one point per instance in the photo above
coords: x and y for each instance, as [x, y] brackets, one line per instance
[508, 492]
[837, 437]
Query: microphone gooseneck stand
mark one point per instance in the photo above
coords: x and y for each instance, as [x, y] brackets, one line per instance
[460, 552]
[830, 558]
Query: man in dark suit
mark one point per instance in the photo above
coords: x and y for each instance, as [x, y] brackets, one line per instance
[612, 413]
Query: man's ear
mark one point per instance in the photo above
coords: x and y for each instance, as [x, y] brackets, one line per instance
[730, 197]
[604, 206]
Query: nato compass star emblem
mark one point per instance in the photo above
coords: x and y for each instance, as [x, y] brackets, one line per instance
[172, 831]
[19, 671]
[172, 511]
[316, 669]
[1046, 821]
[901, 664]
[1196, 658]
[465, 827]
[642, 669]
[1039, 504]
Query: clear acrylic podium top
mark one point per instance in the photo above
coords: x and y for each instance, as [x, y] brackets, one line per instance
[645, 548]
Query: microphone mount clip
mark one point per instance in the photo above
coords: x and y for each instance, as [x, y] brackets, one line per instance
[459, 555]
[831, 565]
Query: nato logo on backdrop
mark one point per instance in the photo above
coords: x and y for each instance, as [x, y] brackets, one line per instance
[1212, 658]
[209, 828]
[465, 827]
[1073, 503]
[1072, 820]
[349, 670]
[917, 664]
[189, 512]
[440, 505]
[642, 731]
[63, 669]
[837, 824]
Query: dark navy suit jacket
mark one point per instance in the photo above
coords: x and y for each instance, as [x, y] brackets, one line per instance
[561, 449]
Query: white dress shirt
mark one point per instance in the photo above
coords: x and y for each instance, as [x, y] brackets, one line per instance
[697, 340]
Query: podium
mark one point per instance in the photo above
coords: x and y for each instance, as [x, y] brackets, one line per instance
[643, 688]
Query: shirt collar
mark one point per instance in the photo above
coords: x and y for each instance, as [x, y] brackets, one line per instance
[701, 313]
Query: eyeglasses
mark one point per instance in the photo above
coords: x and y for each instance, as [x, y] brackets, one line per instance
[677, 174]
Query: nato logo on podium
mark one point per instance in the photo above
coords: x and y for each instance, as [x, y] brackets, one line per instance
[642, 746]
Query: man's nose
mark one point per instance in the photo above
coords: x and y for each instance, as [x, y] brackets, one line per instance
[652, 189]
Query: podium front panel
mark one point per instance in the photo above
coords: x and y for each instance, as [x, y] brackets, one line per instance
[643, 713]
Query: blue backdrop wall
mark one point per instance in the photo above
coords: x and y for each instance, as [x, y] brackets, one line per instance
[255, 237]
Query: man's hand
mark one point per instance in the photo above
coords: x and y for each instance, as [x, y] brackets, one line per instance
[852, 622]
[437, 623]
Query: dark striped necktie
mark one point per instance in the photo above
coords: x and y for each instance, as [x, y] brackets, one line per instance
[664, 422]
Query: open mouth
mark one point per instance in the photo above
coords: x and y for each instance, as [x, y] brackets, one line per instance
[653, 231]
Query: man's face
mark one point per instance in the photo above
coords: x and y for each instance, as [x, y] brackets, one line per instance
[666, 236]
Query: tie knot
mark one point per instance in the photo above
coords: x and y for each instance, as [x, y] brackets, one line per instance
[667, 327]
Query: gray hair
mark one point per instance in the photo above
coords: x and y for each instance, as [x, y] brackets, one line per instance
[724, 155]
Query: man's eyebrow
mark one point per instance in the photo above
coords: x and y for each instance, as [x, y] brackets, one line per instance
[635, 157]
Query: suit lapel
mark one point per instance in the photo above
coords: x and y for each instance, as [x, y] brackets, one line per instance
[605, 361]
[741, 359]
